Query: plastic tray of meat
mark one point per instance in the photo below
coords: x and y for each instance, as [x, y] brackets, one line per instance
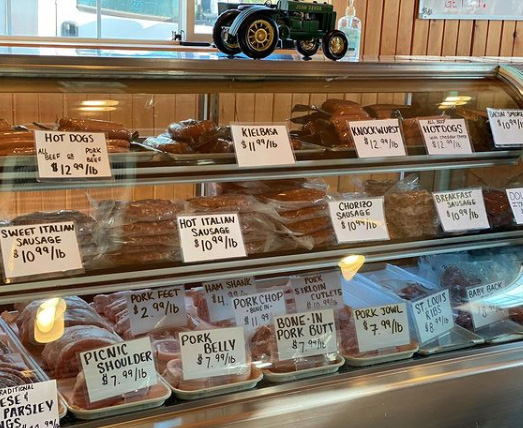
[305, 373]
[370, 358]
[457, 338]
[256, 376]
[11, 346]
[501, 332]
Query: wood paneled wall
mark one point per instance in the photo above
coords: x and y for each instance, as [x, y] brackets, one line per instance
[392, 27]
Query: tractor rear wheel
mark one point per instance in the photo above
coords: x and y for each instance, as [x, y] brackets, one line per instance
[258, 36]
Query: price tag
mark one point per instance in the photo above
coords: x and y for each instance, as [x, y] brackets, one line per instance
[485, 314]
[216, 352]
[507, 127]
[359, 220]
[152, 309]
[219, 294]
[379, 327]
[319, 291]
[515, 197]
[33, 405]
[445, 136]
[305, 334]
[461, 210]
[69, 155]
[39, 249]
[433, 315]
[256, 310]
[377, 138]
[210, 237]
[262, 145]
[118, 369]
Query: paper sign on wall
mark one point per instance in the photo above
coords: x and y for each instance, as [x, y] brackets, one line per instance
[377, 138]
[71, 155]
[39, 249]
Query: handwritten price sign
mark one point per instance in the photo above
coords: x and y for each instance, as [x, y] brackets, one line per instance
[446, 136]
[259, 145]
[461, 210]
[219, 295]
[485, 314]
[255, 310]
[318, 291]
[515, 197]
[433, 315]
[507, 127]
[377, 138]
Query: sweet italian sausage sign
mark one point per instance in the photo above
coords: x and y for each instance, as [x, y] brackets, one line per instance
[71, 155]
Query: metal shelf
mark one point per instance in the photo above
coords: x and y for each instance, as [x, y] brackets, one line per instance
[395, 394]
[21, 175]
[94, 281]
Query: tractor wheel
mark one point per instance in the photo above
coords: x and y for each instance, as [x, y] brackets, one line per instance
[258, 36]
[223, 41]
[334, 45]
[307, 48]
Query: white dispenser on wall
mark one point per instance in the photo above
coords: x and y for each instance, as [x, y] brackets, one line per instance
[350, 24]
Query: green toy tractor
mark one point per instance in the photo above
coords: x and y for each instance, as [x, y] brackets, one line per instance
[255, 30]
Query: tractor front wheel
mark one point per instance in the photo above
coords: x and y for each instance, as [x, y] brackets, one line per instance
[334, 45]
[223, 41]
[258, 36]
[307, 48]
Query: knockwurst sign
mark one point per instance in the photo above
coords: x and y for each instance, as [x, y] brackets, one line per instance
[71, 155]
[118, 369]
[216, 352]
[377, 138]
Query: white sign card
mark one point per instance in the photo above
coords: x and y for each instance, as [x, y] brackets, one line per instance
[507, 127]
[433, 315]
[210, 237]
[71, 155]
[256, 310]
[379, 327]
[39, 249]
[31, 405]
[445, 136]
[216, 352]
[157, 308]
[319, 291]
[262, 145]
[118, 369]
[515, 197]
[359, 220]
[509, 10]
[305, 334]
[485, 314]
[461, 210]
[377, 138]
[219, 295]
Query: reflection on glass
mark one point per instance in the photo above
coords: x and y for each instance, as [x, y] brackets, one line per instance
[350, 265]
[49, 325]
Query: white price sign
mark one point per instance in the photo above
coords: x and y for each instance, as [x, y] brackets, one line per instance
[71, 155]
[379, 327]
[210, 237]
[359, 220]
[219, 295]
[507, 127]
[461, 210]
[152, 309]
[305, 334]
[39, 249]
[209, 353]
[256, 310]
[515, 197]
[446, 136]
[484, 314]
[33, 405]
[262, 145]
[433, 315]
[377, 138]
[118, 369]
[318, 291]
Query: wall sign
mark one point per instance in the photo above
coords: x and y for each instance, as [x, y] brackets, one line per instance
[471, 9]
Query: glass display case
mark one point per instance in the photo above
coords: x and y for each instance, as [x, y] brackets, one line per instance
[394, 239]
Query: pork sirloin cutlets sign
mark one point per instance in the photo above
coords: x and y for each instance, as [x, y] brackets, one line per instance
[262, 145]
[38, 249]
[118, 369]
[71, 155]
[31, 405]
[210, 237]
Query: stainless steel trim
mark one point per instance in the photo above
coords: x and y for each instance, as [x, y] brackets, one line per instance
[24, 178]
[439, 391]
[92, 282]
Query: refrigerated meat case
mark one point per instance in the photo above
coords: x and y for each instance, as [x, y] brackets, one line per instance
[476, 387]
